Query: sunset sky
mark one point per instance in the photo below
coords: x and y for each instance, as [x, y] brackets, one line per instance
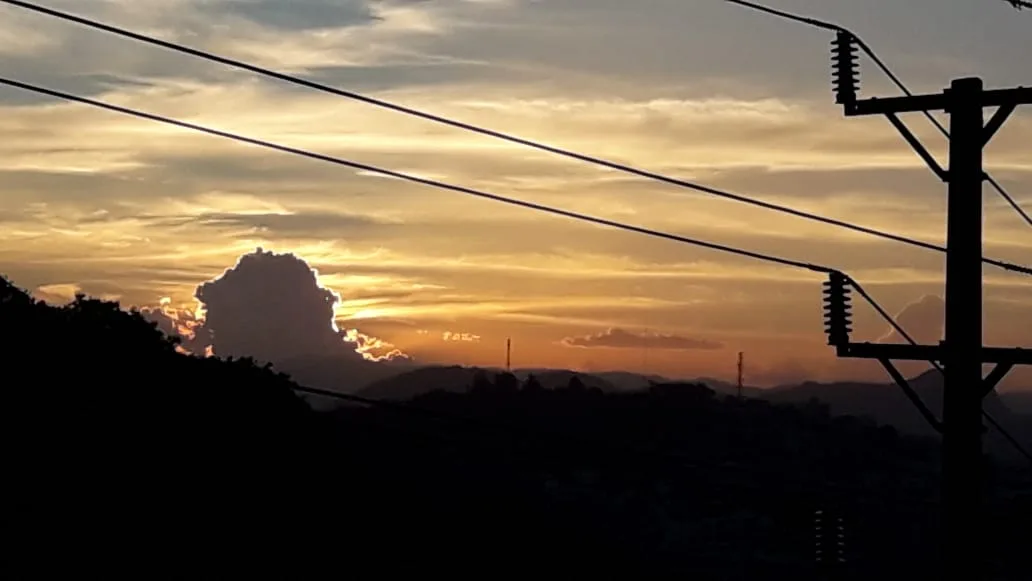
[122, 208]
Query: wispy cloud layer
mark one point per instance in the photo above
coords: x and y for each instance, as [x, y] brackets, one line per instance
[622, 339]
[119, 207]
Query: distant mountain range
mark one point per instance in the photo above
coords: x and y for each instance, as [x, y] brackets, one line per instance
[457, 378]
[883, 402]
[1020, 402]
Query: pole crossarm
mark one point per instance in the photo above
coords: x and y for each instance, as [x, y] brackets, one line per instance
[936, 102]
[1000, 355]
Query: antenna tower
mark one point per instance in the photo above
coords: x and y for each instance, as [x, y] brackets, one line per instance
[741, 368]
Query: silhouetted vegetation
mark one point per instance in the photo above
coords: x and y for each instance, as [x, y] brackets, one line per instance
[129, 455]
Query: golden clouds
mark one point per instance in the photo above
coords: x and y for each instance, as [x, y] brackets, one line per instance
[117, 204]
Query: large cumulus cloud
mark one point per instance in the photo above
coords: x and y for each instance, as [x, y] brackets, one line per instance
[271, 307]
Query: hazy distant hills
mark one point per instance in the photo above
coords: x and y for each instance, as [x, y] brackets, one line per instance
[883, 402]
[887, 404]
[458, 379]
[410, 384]
[1019, 402]
[342, 375]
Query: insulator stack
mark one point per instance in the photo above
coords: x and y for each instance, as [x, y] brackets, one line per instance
[845, 69]
[838, 309]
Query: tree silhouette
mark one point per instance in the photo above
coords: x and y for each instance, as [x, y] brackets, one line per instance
[481, 382]
[532, 385]
[507, 383]
[576, 384]
[114, 426]
[127, 454]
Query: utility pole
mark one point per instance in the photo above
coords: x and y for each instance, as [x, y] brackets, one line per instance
[508, 354]
[962, 465]
[962, 352]
[961, 355]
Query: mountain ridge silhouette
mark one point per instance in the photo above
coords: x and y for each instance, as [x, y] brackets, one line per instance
[885, 403]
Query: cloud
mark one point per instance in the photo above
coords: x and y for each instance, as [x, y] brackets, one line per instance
[309, 225]
[271, 307]
[373, 348]
[621, 339]
[57, 294]
[183, 323]
[922, 320]
[118, 205]
[450, 336]
[297, 15]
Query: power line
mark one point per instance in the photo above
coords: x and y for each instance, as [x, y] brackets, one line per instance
[527, 431]
[1010, 200]
[480, 194]
[436, 184]
[491, 133]
[468, 191]
[419, 180]
[891, 75]
[489, 196]
[922, 408]
[1007, 436]
[410, 409]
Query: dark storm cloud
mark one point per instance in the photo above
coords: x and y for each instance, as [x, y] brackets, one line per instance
[621, 339]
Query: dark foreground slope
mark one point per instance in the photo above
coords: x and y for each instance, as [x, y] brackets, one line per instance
[129, 459]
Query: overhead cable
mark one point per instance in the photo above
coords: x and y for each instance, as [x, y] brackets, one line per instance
[922, 408]
[418, 180]
[891, 75]
[489, 132]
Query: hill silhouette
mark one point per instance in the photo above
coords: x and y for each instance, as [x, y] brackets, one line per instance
[1019, 402]
[125, 453]
[461, 379]
[129, 456]
[886, 404]
[407, 385]
[344, 376]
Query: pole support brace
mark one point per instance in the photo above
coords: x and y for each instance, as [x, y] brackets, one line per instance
[911, 394]
[919, 147]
